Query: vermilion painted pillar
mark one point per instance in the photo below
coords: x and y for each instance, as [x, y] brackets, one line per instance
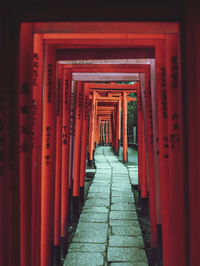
[89, 136]
[65, 158]
[119, 124]
[161, 90]
[9, 146]
[146, 98]
[117, 129]
[98, 131]
[4, 173]
[192, 130]
[106, 133]
[96, 128]
[84, 138]
[139, 126]
[77, 142]
[48, 152]
[145, 152]
[25, 155]
[110, 132]
[124, 110]
[176, 178]
[144, 161]
[58, 166]
[37, 146]
[101, 133]
[156, 143]
[92, 125]
[72, 125]
[113, 130]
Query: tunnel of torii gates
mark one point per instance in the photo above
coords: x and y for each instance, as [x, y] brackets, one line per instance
[59, 111]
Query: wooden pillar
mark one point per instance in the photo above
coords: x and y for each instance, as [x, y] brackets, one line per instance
[144, 161]
[48, 152]
[37, 146]
[125, 148]
[192, 127]
[147, 111]
[176, 178]
[139, 126]
[77, 143]
[25, 121]
[119, 124]
[106, 133]
[92, 125]
[58, 166]
[117, 129]
[65, 158]
[114, 130]
[155, 138]
[110, 132]
[72, 129]
[161, 90]
[9, 144]
[84, 138]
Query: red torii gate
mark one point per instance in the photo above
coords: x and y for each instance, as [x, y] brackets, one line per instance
[172, 111]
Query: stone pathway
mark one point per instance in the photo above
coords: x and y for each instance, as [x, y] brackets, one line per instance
[108, 231]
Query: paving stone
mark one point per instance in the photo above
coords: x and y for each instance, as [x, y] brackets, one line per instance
[121, 184]
[122, 200]
[85, 247]
[129, 223]
[123, 215]
[95, 209]
[126, 231]
[94, 217]
[122, 189]
[90, 237]
[126, 255]
[123, 235]
[102, 181]
[122, 193]
[99, 189]
[97, 202]
[126, 241]
[84, 226]
[129, 264]
[123, 207]
[104, 195]
[84, 259]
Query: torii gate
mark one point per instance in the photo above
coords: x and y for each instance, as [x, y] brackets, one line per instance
[117, 92]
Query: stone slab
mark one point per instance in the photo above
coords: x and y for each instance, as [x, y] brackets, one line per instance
[122, 200]
[90, 237]
[126, 241]
[122, 188]
[85, 247]
[84, 259]
[95, 209]
[97, 202]
[122, 193]
[129, 223]
[126, 255]
[100, 189]
[102, 195]
[94, 217]
[126, 231]
[129, 264]
[123, 215]
[84, 226]
[123, 207]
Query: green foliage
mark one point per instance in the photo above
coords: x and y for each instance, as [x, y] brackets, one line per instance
[131, 115]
